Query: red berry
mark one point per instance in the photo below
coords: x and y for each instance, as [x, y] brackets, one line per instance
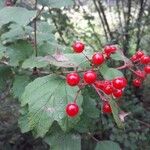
[106, 108]
[137, 82]
[134, 58]
[139, 54]
[119, 82]
[108, 89]
[147, 69]
[145, 59]
[90, 77]
[117, 93]
[73, 79]
[109, 49]
[78, 47]
[97, 59]
[99, 84]
[72, 109]
[140, 74]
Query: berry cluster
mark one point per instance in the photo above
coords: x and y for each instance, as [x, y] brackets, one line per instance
[141, 63]
[105, 89]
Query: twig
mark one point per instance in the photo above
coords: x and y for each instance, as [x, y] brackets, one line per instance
[57, 28]
[144, 123]
[95, 139]
[100, 95]
[35, 31]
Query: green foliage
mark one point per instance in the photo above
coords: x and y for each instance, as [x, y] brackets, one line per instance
[64, 141]
[19, 84]
[110, 73]
[32, 62]
[7, 13]
[56, 3]
[115, 113]
[18, 52]
[45, 105]
[107, 145]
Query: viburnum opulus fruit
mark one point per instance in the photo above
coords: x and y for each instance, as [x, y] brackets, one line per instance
[145, 59]
[72, 109]
[117, 93]
[109, 49]
[139, 54]
[98, 59]
[137, 82]
[119, 83]
[90, 77]
[73, 79]
[147, 69]
[108, 89]
[78, 47]
[106, 107]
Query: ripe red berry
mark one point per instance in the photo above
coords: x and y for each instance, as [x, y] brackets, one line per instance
[90, 77]
[78, 47]
[147, 69]
[99, 84]
[139, 54]
[108, 89]
[73, 79]
[97, 59]
[119, 83]
[137, 82]
[109, 49]
[134, 58]
[140, 74]
[117, 93]
[106, 108]
[72, 109]
[145, 59]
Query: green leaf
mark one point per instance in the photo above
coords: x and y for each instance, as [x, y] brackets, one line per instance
[19, 85]
[70, 61]
[47, 98]
[115, 112]
[118, 56]
[32, 62]
[89, 107]
[110, 73]
[49, 48]
[16, 32]
[23, 120]
[107, 145]
[18, 52]
[18, 15]
[59, 140]
[56, 3]
[44, 33]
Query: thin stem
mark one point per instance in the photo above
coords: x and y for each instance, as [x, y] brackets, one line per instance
[99, 94]
[77, 94]
[86, 57]
[57, 28]
[35, 31]
[122, 67]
